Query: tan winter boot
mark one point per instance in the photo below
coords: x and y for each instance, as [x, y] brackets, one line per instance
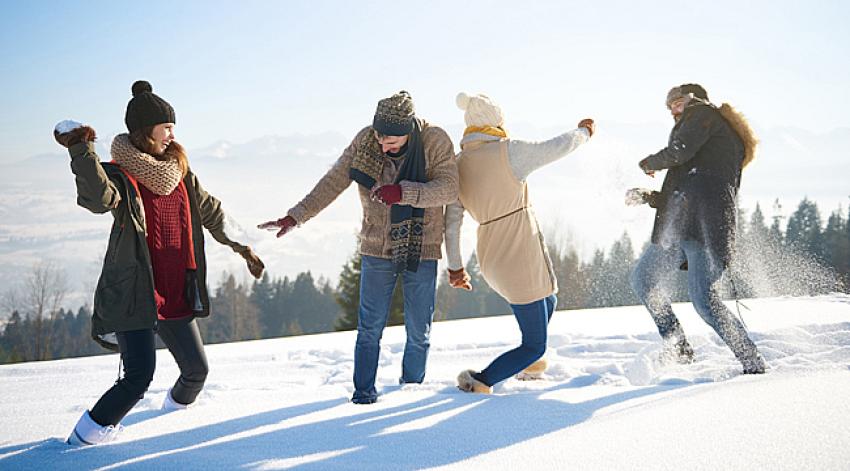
[466, 382]
[534, 371]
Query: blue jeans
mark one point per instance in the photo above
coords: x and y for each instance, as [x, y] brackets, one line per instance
[651, 281]
[377, 282]
[533, 319]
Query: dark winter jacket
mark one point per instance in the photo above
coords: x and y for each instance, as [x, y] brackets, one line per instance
[697, 202]
[124, 297]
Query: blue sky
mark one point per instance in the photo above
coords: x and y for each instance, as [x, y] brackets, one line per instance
[240, 70]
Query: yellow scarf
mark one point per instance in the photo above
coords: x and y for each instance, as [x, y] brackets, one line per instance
[489, 130]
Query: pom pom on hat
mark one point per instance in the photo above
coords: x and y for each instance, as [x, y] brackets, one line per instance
[479, 110]
[141, 86]
[146, 108]
[462, 100]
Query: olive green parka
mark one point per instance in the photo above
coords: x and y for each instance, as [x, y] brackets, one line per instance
[124, 297]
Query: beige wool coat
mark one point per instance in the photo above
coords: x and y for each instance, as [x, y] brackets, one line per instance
[511, 252]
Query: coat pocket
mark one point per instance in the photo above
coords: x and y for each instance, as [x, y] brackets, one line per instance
[192, 293]
[115, 296]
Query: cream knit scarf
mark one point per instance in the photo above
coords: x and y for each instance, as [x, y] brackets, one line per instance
[158, 176]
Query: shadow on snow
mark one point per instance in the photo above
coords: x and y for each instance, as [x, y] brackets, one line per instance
[471, 425]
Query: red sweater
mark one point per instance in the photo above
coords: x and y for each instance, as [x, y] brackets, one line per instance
[170, 244]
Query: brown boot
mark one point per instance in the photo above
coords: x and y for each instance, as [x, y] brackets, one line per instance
[534, 371]
[467, 383]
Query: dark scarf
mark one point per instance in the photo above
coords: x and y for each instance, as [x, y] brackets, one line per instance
[406, 222]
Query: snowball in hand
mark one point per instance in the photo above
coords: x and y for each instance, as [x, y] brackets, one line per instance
[67, 125]
[636, 196]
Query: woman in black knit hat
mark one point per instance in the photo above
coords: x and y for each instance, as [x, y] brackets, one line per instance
[154, 273]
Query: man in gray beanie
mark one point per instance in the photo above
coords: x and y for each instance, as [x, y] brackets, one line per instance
[406, 174]
[695, 220]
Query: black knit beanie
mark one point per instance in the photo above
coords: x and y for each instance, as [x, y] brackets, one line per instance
[394, 116]
[147, 109]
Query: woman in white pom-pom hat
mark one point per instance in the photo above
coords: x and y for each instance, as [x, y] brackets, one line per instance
[511, 252]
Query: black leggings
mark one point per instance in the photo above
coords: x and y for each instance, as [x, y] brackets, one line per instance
[138, 353]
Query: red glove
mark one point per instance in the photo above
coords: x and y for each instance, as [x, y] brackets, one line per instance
[285, 225]
[588, 124]
[387, 194]
[459, 279]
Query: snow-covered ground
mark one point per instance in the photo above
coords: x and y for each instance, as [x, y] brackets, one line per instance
[605, 404]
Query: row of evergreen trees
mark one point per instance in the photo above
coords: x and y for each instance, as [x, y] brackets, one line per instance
[808, 257]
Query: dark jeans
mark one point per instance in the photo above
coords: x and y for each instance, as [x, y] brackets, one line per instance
[533, 319]
[138, 354]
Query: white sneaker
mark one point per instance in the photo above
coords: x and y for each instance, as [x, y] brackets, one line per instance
[171, 405]
[89, 432]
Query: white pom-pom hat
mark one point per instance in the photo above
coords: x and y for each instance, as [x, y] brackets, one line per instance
[479, 110]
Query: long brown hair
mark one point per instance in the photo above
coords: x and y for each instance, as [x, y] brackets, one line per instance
[141, 138]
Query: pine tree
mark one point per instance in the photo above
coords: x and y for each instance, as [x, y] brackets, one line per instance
[752, 250]
[481, 301]
[491, 304]
[621, 261]
[312, 304]
[804, 229]
[281, 301]
[262, 296]
[62, 345]
[595, 270]
[293, 328]
[846, 272]
[837, 245]
[758, 230]
[234, 317]
[81, 332]
[348, 293]
[567, 268]
[348, 297]
[15, 338]
[777, 237]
